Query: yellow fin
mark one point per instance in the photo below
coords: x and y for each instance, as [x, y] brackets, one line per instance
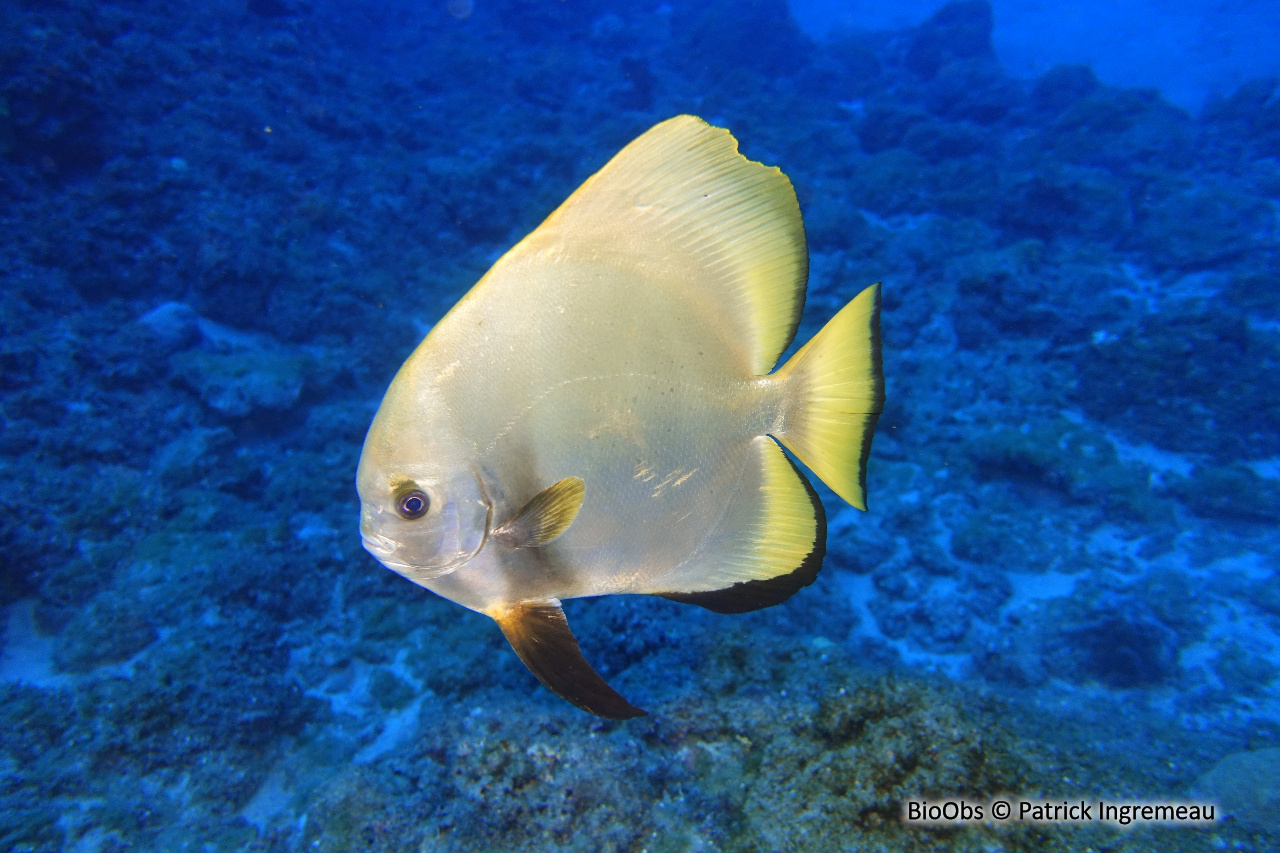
[681, 206]
[773, 527]
[835, 391]
[789, 523]
[548, 514]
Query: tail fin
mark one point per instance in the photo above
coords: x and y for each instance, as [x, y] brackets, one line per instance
[835, 392]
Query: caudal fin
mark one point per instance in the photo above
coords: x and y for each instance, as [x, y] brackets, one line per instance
[835, 392]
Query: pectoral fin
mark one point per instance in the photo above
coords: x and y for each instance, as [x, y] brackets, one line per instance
[548, 514]
[540, 635]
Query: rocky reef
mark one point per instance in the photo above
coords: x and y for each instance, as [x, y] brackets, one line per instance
[227, 224]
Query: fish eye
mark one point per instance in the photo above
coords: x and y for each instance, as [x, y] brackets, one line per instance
[412, 503]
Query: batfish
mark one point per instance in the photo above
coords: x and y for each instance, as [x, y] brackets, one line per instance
[600, 414]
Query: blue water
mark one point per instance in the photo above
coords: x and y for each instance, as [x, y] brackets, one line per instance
[226, 225]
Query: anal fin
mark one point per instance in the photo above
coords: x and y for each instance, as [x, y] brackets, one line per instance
[791, 491]
[767, 546]
[540, 635]
[746, 596]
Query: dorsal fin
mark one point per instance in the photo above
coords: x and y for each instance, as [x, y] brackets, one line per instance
[683, 205]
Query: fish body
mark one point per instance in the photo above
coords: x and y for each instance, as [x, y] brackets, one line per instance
[598, 416]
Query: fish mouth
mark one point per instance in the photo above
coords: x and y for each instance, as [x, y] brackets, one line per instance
[380, 547]
[384, 549]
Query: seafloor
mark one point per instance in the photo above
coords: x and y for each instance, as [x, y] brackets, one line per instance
[225, 226]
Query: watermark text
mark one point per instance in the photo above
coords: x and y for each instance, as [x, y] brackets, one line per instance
[1018, 810]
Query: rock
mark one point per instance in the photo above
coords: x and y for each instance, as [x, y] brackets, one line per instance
[886, 124]
[1244, 671]
[1070, 458]
[1123, 648]
[944, 621]
[959, 30]
[724, 34]
[241, 383]
[857, 546]
[1063, 85]
[1118, 129]
[1203, 225]
[937, 141]
[173, 325]
[1010, 658]
[18, 363]
[1068, 200]
[108, 631]
[238, 374]
[1229, 492]
[389, 691]
[1246, 786]
[974, 90]
[1247, 104]
[1190, 380]
[190, 456]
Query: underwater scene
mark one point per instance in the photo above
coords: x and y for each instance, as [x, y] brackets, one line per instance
[229, 224]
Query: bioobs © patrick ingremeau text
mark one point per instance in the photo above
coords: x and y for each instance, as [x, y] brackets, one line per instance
[1014, 809]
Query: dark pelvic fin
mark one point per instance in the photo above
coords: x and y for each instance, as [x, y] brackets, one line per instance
[540, 635]
[758, 594]
[548, 514]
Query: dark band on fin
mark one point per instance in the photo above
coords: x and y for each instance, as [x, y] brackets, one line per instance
[540, 635]
[547, 514]
[876, 343]
[757, 595]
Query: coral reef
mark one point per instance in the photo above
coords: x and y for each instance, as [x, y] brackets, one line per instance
[227, 224]
[1244, 784]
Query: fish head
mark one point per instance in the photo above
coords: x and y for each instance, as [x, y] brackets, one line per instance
[424, 512]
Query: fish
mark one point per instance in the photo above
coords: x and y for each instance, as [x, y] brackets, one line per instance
[601, 415]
